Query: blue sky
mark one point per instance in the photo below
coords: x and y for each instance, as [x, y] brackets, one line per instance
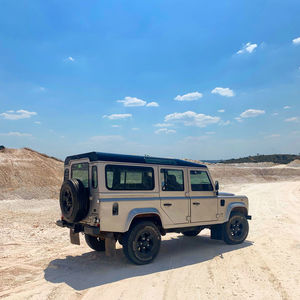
[187, 79]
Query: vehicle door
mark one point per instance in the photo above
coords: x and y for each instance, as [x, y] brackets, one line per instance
[174, 200]
[202, 195]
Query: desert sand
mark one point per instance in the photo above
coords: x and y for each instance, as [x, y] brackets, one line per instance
[37, 260]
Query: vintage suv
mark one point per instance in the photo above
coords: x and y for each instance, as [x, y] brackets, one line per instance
[136, 199]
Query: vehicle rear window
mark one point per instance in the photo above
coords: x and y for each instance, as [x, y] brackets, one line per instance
[129, 178]
[172, 180]
[94, 177]
[81, 172]
[200, 181]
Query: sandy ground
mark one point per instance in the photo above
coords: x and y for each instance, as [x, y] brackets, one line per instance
[38, 262]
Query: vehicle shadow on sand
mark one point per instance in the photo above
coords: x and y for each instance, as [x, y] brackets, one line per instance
[95, 269]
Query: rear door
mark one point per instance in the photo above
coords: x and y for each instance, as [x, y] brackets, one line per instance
[173, 194]
[203, 197]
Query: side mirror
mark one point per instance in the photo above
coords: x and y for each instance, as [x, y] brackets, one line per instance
[217, 185]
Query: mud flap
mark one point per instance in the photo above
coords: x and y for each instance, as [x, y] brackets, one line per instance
[110, 245]
[216, 232]
[74, 237]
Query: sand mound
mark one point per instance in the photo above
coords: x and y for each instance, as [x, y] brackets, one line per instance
[27, 174]
[295, 162]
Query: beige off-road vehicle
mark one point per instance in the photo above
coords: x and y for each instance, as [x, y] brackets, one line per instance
[135, 200]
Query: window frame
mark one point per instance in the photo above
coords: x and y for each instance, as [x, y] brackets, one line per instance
[210, 181]
[66, 172]
[88, 168]
[130, 167]
[183, 181]
[92, 181]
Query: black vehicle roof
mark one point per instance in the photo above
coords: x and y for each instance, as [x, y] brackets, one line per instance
[101, 156]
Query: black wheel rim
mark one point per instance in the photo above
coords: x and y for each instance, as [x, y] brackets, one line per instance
[144, 244]
[67, 201]
[236, 229]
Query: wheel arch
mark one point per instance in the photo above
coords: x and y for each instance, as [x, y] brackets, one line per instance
[137, 214]
[236, 207]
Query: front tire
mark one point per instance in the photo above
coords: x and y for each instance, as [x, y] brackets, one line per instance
[141, 243]
[95, 243]
[236, 229]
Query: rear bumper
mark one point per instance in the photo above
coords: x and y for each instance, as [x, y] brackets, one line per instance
[78, 227]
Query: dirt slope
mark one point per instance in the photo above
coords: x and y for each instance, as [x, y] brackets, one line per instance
[27, 174]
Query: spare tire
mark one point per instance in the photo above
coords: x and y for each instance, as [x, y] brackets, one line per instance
[74, 200]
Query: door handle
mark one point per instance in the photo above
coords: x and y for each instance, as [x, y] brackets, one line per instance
[167, 204]
[196, 203]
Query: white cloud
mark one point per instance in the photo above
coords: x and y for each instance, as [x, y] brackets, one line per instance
[40, 89]
[116, 126]
[251, 113]
[165, 130]
[135, 128]
[17, 115]
[190, 118]
[248, 48]
[292, 119]
[226, 92]
[118, 116]
[221, 110]
[16, 134]
[296, 41]
[239, 119]
[224, 123]
[275, 114]
[37, 122]
[189, 96]
[70, 58]
[152, 104]
[275, 135]
[107, 138]
[163, 125]
[210, 132]
[286, 107]
[132, 101]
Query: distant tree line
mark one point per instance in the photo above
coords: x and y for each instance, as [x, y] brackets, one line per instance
[274, 158]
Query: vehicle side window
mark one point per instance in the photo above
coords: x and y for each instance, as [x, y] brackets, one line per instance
[94, 177]
[200, 181]
[66, 174]
[129, 177]
[81, 172]
[172, 180]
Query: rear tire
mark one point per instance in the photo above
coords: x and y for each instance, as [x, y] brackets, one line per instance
[95, 243]
[141, 243]
[191, 233]
[236, 229]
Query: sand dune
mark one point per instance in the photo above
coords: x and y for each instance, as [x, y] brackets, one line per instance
[27, 174]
